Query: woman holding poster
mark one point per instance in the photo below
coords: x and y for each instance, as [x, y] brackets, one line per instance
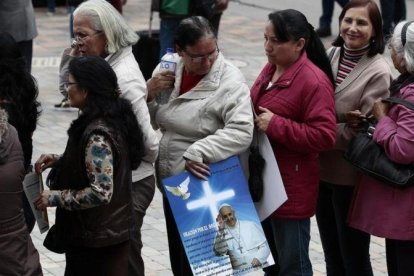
[293, 97]
[207, 118]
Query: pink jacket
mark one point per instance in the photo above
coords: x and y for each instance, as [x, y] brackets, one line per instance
[380, 209]
[303, 125]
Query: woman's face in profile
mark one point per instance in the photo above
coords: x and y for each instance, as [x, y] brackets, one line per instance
[356, 28]
[90, 42]
[397, 60]
[278, 52]
[199, 58]
[76, 95]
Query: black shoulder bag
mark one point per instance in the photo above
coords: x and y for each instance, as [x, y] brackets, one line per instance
[369, 157]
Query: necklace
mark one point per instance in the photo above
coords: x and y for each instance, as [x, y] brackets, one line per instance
[236, 236]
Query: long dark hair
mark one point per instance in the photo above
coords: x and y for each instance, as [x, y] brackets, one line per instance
[377, 44]
[292, 25]
[18, 93]
[97, 77]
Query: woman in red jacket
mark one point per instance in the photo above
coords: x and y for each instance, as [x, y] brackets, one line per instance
[293, 97]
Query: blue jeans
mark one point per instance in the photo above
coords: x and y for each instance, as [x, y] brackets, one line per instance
[168, 26]
[394, 11]
[346, 249]
[51, 5]
[71, 9]
[327, 11]
[289, 243]
[399, 257]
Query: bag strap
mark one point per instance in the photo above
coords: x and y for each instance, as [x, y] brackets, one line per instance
[255, 140]
[400, 101]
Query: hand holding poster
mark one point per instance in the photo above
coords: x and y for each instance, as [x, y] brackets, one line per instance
[33, 186]
[217, 221]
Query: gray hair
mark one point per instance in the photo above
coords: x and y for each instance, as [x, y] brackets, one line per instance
[3, 123]
[407, 51]
[104, 17]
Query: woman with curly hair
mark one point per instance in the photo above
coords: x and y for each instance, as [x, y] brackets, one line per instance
[92, 185]
[18, 96]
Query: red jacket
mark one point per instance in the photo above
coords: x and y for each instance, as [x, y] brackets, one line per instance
[304, 124]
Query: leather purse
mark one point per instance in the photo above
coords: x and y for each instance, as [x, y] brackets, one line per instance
[256, 167]
[370, 158]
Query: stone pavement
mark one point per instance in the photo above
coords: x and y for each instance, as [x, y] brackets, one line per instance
[240, 39]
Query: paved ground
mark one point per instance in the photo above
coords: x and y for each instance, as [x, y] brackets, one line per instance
[241, 39]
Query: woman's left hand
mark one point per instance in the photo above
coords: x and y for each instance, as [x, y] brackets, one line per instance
[42, 202]
[263, 119]
[200, 170]
[380, 109]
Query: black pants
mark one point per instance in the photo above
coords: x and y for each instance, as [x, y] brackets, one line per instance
[178, 258]
[142, 195]
[400, 257]
[26, 49]
[102, 261]
[346, 249]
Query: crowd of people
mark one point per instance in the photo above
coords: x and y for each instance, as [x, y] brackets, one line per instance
[309, 101]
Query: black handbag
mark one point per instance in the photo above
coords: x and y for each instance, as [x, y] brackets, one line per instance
[369, 157]
[256, 167]
[54, 242]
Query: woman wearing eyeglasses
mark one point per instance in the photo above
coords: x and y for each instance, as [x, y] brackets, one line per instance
[92, 184]
[207, 118]
[100, 30]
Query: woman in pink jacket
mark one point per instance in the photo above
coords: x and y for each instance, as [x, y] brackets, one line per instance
[293, 97]
[379, 209]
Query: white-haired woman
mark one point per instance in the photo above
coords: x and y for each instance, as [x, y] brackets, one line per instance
[100, 30]
[379, 209]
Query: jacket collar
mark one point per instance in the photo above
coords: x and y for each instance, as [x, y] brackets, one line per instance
[116, 57]
[359, 68]
[289, 75]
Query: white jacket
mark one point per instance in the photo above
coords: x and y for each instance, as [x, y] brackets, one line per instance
[209, 123]
[134, 88]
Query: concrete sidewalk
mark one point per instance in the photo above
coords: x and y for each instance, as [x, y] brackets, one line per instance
[240, 39]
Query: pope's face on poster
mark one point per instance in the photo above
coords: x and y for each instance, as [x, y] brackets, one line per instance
[228, 216]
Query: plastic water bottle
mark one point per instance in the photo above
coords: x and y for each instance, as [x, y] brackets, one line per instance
[168, 63]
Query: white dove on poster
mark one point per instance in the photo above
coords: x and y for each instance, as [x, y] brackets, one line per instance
[180, 190]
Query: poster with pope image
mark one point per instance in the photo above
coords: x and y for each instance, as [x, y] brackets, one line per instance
[217, 221]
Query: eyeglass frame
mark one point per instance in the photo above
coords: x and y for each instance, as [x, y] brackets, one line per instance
[198, 59]
[78, 38]
[66, 84]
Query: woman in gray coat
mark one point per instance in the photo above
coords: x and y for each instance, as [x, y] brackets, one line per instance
[18, 255]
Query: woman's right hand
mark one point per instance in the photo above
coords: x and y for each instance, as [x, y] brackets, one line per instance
[74, 51]
[45, 161]
[160, 82]
[353, 118]
[200, 170]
